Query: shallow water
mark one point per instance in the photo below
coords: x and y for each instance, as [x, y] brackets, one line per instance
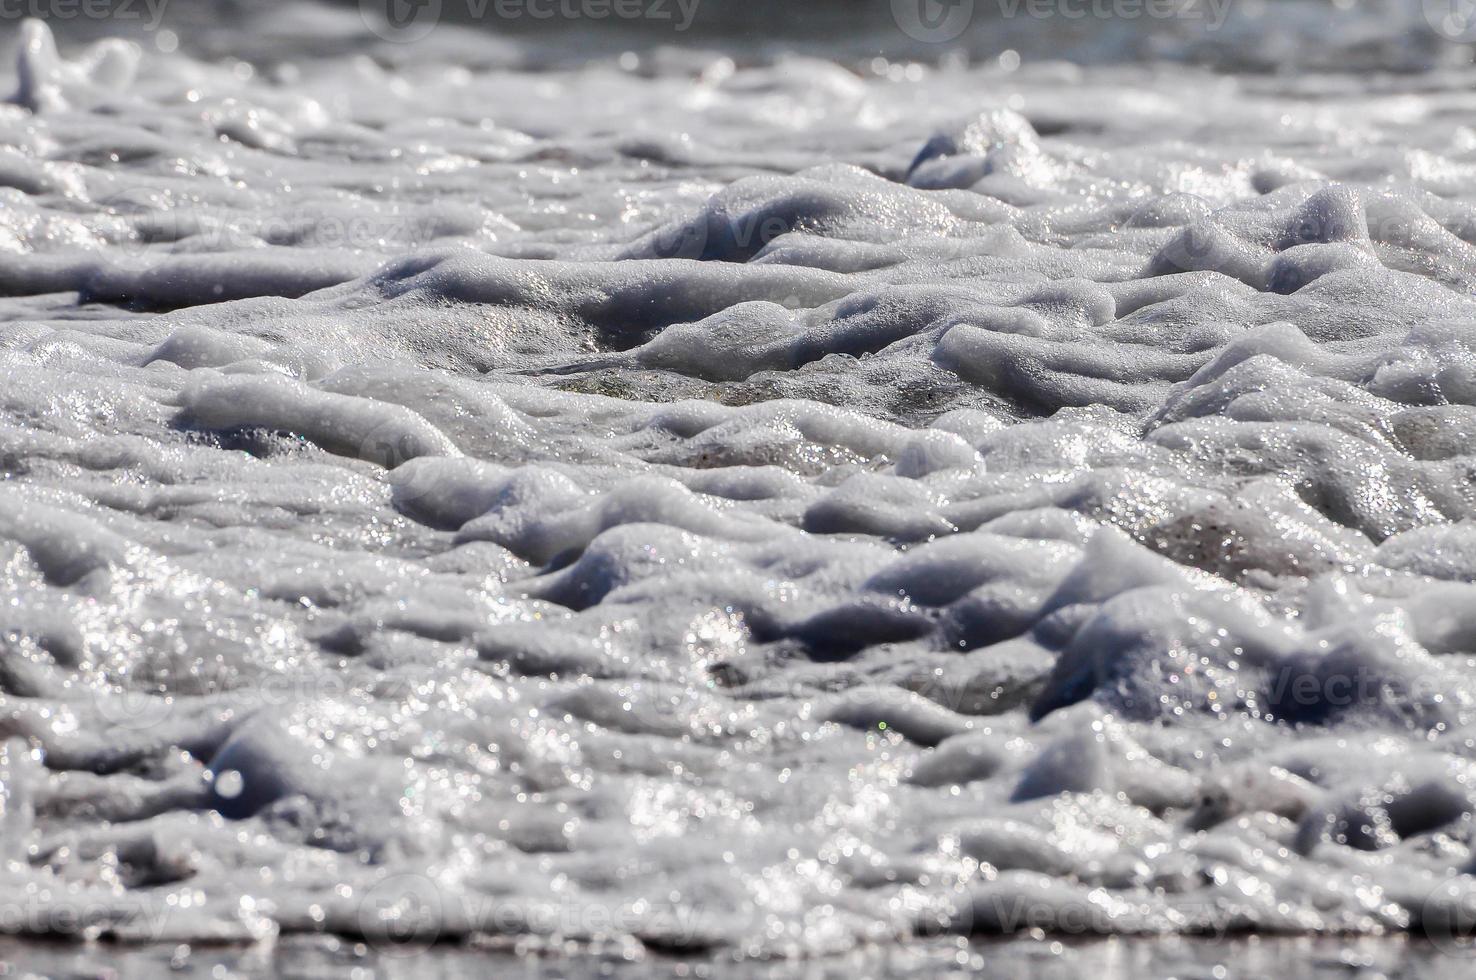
[1043, 958]
[764, 507]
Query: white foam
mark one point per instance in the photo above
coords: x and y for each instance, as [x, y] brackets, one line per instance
[908, 500]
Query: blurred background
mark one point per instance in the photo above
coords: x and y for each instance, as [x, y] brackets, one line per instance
[1240, 35]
